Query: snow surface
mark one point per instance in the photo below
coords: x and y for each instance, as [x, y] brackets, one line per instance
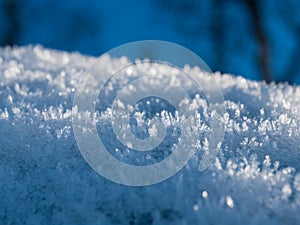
[45, 180]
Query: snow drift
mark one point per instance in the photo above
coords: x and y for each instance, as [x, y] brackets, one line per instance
[45, 180]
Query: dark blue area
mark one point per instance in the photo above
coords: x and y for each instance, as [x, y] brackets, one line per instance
[250, 38]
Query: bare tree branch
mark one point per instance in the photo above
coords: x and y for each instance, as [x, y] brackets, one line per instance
[262, 41]
[11, 7]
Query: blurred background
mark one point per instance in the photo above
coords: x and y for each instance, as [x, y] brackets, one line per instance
[259, 40]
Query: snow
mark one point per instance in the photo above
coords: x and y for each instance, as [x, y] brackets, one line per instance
[45, 180]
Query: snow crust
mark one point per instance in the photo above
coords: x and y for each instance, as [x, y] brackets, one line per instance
[45, 180]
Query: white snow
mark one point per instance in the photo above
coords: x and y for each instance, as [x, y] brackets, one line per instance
[45, 180]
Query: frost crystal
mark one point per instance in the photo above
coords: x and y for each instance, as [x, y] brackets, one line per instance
[44, 179]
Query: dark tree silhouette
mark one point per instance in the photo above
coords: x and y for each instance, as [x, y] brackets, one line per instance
[264, 52]
[11, 10]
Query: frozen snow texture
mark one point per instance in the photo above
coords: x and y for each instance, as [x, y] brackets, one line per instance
[45, 180]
